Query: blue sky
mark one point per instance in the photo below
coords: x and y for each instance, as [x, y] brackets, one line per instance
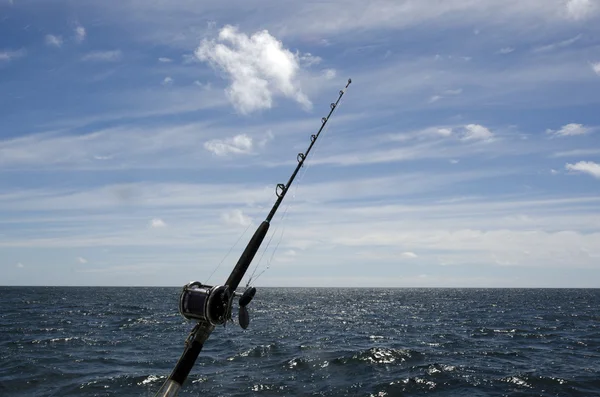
[140, 139]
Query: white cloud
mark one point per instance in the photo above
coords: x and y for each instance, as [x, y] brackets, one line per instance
[436, 98]
[103, 56]
[80, 33]
[457, 91]
[410, 255]
[329, 73]
[7, 55]
[81, 260]
[577, 153]
[570, 130]
[559, 44]
[444, 131]
[579, 9]
[52, 40]
[586, 167]
[268, 138]
[477, 132]
[258, 66]
[20, 265]
[596, 68]
[167, 80]
[239, 144]
[236, 218]
[506, 50]
[157, 223]
[454, 161]
[165, 60]
[308, 59]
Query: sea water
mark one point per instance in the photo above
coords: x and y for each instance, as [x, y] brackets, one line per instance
[77, 341]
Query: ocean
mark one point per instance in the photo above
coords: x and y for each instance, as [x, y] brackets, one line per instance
[78, 341]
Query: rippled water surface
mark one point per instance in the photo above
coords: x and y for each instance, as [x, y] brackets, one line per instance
[306, 342]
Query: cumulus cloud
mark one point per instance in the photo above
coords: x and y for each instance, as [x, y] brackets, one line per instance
[81, 260]
[586, 167]
[570, 130]
[102, 56]
[7, 55]
[579, 9]
[239, 144]
[476, 132]
[258, 66]
[236, 218]
[53, 41]
[168, 80]
[596, 68]
[80, 33]
[157, 223]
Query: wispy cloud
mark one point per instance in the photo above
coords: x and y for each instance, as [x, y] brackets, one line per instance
[53, 41]
[559, 44]
[165, 60]
[409, 254]
[570, 130]
[80, 34]
[239, 144]
[577, 153]
[81, 260]
[102, 56]
[259, 68]
[20, 265]
[586, 167]
[167, 80]
[506, 50]
[8, 55]
[596, 68]
[444, 94]
[308, 59]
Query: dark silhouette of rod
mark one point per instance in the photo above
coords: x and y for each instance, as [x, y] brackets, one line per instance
[203, 329]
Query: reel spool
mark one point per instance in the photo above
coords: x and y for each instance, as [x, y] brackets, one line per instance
[211, 304]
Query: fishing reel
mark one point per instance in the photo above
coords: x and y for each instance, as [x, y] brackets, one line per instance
[212, 304]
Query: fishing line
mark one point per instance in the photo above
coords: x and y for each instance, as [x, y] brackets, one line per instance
[316, 148]
[229, 252]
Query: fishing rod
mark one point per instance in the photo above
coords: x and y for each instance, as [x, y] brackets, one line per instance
[211, 306]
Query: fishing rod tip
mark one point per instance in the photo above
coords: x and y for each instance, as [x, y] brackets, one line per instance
[349, 81]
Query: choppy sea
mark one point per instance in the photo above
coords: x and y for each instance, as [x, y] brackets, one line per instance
[77, 341]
